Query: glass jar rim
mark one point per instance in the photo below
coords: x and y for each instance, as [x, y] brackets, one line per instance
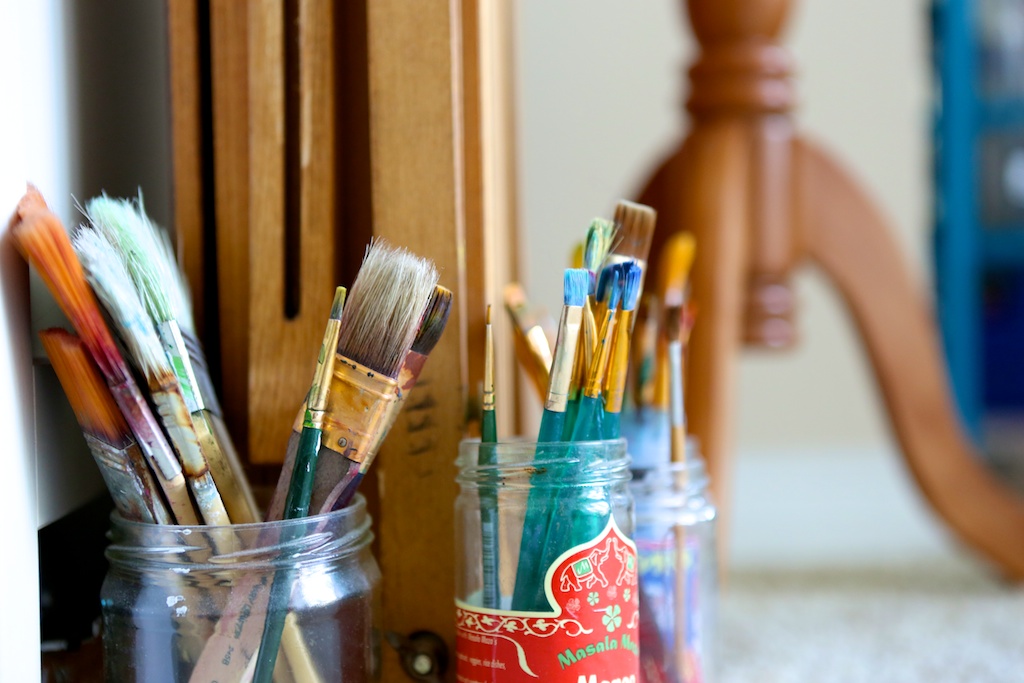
[521, 459]
[312, 539]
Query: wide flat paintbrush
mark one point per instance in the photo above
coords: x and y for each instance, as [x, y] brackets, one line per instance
[575, 285]
[42, 239]
[379, 323]
[208, 416]
[135, 238]
[110, 280]
[635, 231]
[300, 488]
[111, 442]
[434, 320]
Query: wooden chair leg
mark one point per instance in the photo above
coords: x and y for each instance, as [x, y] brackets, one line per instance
[705, 189]
[849, 238]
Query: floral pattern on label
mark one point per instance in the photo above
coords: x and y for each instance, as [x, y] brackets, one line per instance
[590, 634]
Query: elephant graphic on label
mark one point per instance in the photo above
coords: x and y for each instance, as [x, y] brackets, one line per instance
[627, 572]
[584, 573]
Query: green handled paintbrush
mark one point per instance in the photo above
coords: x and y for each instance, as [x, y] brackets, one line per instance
[488, 497]
[300, 489]
[576, 284]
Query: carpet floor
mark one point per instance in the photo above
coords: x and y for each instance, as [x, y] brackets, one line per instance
[941, 622]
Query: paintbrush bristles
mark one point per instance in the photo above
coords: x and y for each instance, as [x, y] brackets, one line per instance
[134, 238]
[43, 241]
[635, 223]
[599, 239]
[87, 393]
[384, 307]
[435, 318]
[109, 278]
[575, 286]
[630, 277]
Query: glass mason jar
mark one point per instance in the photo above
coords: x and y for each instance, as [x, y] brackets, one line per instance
[546, 571]
[189, 603]
[675, 538]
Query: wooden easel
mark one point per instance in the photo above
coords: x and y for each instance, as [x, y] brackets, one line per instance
[761, 199]
[306, 127]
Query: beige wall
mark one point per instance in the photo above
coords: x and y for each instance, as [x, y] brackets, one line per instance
[600, 98]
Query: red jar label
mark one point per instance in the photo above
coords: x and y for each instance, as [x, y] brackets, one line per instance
[589, 636]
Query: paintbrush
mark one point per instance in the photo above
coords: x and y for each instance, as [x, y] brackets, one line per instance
[111, 442]
[575, 285]
[435, 318]
[634, 231]
[378, 326]
[645, 351]
[43, 241]
[207, 415]
[615, 386]
[300, 488]
[674, 333]
[488, 497]
[111, 283]
[136, 239]
[588, 425]
[530, 340]
[674, 265]
[567, 527]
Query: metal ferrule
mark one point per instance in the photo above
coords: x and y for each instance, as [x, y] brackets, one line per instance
[174, 347]
[126, 488]
[361, 407]
[616, 385]
[596, 371]
[489, 368]
[206, 395]
[565, 358]
[589, 336]
[324, 368]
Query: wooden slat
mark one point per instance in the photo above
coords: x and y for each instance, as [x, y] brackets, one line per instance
[229, 31]
[283, 347]
[186, 149]
[414, 56]
[495, 85]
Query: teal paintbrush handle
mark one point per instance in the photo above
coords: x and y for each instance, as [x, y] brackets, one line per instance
[570, 516]
[610, 427]
[529, 572]
[569, 421]
[488, 427]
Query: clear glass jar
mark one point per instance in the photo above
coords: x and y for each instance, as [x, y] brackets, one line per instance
[188, 603]
[675, 538]
[546, 570]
